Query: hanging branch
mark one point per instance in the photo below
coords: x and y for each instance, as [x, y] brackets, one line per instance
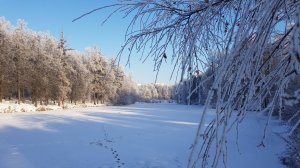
[245, 42]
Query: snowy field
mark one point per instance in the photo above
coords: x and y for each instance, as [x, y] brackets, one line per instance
[135, 136]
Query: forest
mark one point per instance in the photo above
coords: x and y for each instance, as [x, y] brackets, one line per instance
[37, 67]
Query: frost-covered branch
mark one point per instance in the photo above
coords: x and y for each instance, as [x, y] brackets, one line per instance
[252, 47]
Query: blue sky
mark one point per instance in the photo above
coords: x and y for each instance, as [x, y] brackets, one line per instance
[55, 16]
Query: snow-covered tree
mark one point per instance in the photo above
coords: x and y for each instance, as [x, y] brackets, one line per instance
[98, 66]
[128, 92]
[239, 32]
[118, 73]
[4, 54]
[181, 92]
[78, 77]
[64, 71]
[40, 68]
[19, 51]
[149, 92]
[53, 68]
[37, 81]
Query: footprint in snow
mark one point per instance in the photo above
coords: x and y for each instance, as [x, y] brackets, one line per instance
[106, 144]
[114, 153]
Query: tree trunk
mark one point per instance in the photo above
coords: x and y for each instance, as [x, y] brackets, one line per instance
[33, 95]
[1, 83]
[35, 103]
[19, 93]
[1, 96]
[33, 99]
[19, 88]
[62, 102]
[23, 95]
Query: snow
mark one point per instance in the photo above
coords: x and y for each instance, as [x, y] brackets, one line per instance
[9, 107]
[12, 106]
[154, 135]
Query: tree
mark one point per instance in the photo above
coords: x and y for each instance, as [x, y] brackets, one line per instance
[19, 56]
[118, 73]
[79, 78]
[37, 67]
[53, 68]
[192, 32]
[65, 70]
[98, 66]
[127, 93]
[4, 54]
[38, 70]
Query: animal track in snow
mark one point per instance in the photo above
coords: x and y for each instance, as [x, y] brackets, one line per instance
[106, 143]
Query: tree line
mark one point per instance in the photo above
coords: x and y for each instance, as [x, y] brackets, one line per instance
[153, 92]
[35, 66]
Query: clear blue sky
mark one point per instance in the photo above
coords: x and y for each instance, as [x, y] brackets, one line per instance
[55, 16]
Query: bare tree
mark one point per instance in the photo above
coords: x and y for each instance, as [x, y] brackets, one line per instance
[234, 36]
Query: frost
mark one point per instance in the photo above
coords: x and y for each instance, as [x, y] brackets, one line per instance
[250, 47]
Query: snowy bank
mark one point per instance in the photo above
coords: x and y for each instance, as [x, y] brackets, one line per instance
[12, 107]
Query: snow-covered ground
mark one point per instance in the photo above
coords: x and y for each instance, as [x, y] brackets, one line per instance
[13, 107]
[135, 136]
